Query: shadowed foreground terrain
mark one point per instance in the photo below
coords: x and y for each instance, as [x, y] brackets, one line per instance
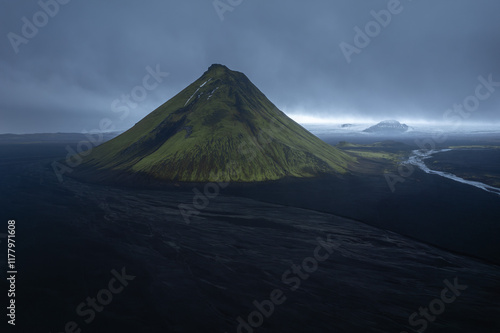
[202, 276]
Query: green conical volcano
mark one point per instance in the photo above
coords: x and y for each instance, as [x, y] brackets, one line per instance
[220, 128]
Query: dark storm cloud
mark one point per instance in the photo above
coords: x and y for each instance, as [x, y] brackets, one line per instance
[91, 52]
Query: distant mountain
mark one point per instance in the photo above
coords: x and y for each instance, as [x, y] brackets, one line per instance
[388, 127]
[219, 128]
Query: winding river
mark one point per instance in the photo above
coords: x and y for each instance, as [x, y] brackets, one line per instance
[418, 156]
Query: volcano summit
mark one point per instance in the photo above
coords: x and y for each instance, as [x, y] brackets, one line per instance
[219, 128]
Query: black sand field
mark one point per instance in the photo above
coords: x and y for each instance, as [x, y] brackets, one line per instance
[240, 248]
[476, 164]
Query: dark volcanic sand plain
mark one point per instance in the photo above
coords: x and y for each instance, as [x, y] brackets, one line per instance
[476, 164]
[200, 277]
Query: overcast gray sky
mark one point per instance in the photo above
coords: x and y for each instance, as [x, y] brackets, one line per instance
[86, 54]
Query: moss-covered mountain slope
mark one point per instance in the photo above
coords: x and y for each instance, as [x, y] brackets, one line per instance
[219, 128]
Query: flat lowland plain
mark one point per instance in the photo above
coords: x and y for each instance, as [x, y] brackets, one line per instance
[202, 276]
[481, 164]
